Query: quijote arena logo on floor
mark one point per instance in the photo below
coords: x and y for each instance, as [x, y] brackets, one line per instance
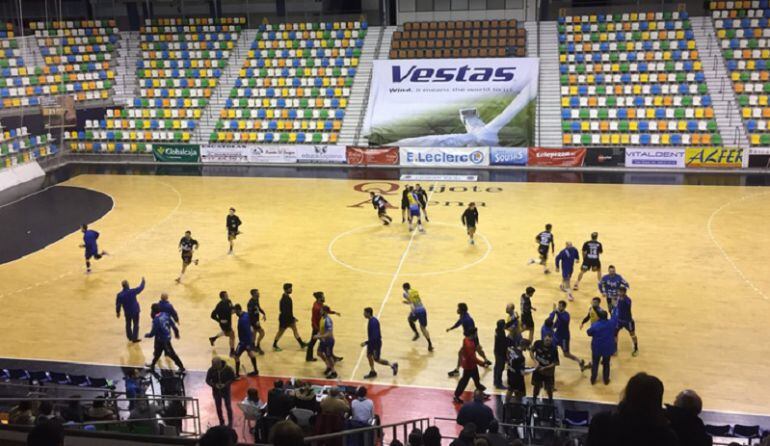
[392, 192]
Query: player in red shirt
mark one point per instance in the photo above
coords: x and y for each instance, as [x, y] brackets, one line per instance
[315, 321]
[470, 365]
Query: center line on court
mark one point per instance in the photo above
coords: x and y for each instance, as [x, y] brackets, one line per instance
[392, 283]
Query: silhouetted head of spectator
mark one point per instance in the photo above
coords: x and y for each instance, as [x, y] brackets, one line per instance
[643, 399]
[396, 442]
[286, 433]
[278, 384]
[24, 405]
[494, 427]
[361, 392]
[468, 434]
[431, 436]
[481, 441]
[415, 438]
[98, 402]
[49, 433]
[252, 394]
[517, 442]
[689, 401]
[45, 408]
[219, 436]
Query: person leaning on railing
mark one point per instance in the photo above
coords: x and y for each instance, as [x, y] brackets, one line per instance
[100, 410]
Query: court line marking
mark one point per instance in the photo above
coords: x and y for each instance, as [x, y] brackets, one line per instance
[722, 250]
[330, 250]
[401, 262]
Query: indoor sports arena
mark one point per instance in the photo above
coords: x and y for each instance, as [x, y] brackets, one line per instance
[384, 222]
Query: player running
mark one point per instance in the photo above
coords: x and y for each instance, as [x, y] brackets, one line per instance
[373, 345]
[544, 241]
[414, 210]
[223, 315]
[405, 203]
[187, 246]
[381, 204]
[89, 243]
[561, 337]
[470, 218]
[418, 313]
[566, 261]
[625, 319]
[326, 345]
[233, 223]
[245, 341]
[254, 309]
[593, 312]
[592, 249]
[527, 321]
[609, 286]
[422, 197]
[469, 326]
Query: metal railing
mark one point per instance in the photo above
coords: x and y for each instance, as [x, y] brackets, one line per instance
[532, 434]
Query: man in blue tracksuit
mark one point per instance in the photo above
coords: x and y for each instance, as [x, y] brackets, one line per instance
[561, 336]
[245, 341]
[89, 243]
[603, 346]
[165, 306]
[565, 261]
[162, 326]
[624, 318]
[609, 286]
[127, 301]
[466, 321]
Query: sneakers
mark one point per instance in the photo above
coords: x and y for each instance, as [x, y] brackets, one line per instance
[453, 373]
[212, 340]
[331, 375]
[457, 400]
[338, 358]
[635, 353]
[531, 262]
[473, 242]
[430, 347]
[195, 261]
[547, 271]
[370, 375]
[486, 363]
[582, 365]
[135, 341]
[570, 297]
[416, 337]
[575, 288]
[254, 373]
[394, 367]
[260, 351]
[277, 349]
[311, 359]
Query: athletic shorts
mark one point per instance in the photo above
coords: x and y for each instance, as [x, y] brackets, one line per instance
[373, 349]
[527, 321]
[564, 344]
[473, 226]
[414, 211]
[227, 328]
[187, 257]
[543, 380]
[475, 340]
[254, 323]
[516, 382]
[627, 325]
[93, 252]
[566, 274]
[244, 347]
[326, 347]
[419, 315]
[286, 322]
[404, 204]
[543, 251]
[590, 264]
[381, 211]
[231, 235]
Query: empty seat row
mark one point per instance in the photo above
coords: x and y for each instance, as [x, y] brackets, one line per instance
[298, 137]
[160, 124]
[6, 30]
[464, 53]
[297, 44]
[461, 25]
[280, 113]
[460, 43]
[467, 38]
[282, 103]
[637, 17]
[311, 26]
[465, 34]
[305, 53]
[641, 139]
[288, 124]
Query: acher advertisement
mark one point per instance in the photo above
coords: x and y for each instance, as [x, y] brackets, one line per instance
[362, 156]
[655, 158]
[605, 157]
[508, 156]
[539, 156]
[714, 157]
[176, 153]
[453, 102]
[320, 154]
[444, 156]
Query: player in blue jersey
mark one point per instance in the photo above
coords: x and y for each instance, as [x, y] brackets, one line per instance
[91, 248]
[162, 326]
[373, 345]
[245, 341]
[544, 241]
[469, 326]
[624, 318]
[565, 261]
[561, 336]
[326, 345]
[609, 286]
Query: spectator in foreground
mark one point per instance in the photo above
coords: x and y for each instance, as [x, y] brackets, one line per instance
[45, 413]
[362, 408]
[219, 436]
[467, 436]
[415, 438]
[334, 403]
[286, 433]
[21, 414]
[685, 420]
[219, 377]
[279, 404]
[49, 433]
[304, 398]
[74, 412]
[252, 405]
[476, 412]
[494, 437]
[99, 411]
[638, 420]
[431, 436]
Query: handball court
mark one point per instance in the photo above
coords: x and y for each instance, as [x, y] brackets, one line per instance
[696, 258]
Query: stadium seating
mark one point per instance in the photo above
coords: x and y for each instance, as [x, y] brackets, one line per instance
[78, 59]
[15, 78]
[744, 33]
[182, 60]
[294, 85]
[633, 79]
[17, 146]
[462, 38]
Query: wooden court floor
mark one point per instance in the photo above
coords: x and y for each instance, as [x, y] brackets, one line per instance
[696, 257]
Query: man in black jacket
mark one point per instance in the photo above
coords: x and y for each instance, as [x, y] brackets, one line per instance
[223, 314]
[684, 419]
[279, 404]
[219, 377]
[286, 318]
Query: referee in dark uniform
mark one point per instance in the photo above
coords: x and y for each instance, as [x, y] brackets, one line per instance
[422, 197]
[187, 245]
[470, 218]
[223, 314]
[233, 223]
[286, 318]
[404, 203]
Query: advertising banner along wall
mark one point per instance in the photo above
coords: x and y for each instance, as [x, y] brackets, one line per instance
[359, 156]
[453, 102]
[176, 153]
[655, 158]
[508, 156]
[539, 156]
[254, 153]
[714, 157]
[444, 156]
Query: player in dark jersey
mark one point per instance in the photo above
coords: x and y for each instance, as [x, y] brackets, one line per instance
[527, 321]
[405, 203]
[546, 355]
[373, 345]
[544, 241]
[89, 243]
[514, 365]
[592, 249]
[286, 318]
[187, 245]
[422, 197]
[233, 223]
[254, 309]
[624, 318]
[561, 319]
[245, 341]
[470, 218]
[381, 204]
[223, 314]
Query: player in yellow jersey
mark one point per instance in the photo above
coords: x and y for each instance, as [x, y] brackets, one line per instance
[418, 313]
[414, 209]
[593, 312]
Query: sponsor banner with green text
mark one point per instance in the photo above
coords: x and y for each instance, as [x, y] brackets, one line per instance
[176, 153]
[714, 157]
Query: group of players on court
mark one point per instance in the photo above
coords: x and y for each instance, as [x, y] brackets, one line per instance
[510, 331]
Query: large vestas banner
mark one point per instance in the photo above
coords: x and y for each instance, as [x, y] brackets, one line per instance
[453, 102]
